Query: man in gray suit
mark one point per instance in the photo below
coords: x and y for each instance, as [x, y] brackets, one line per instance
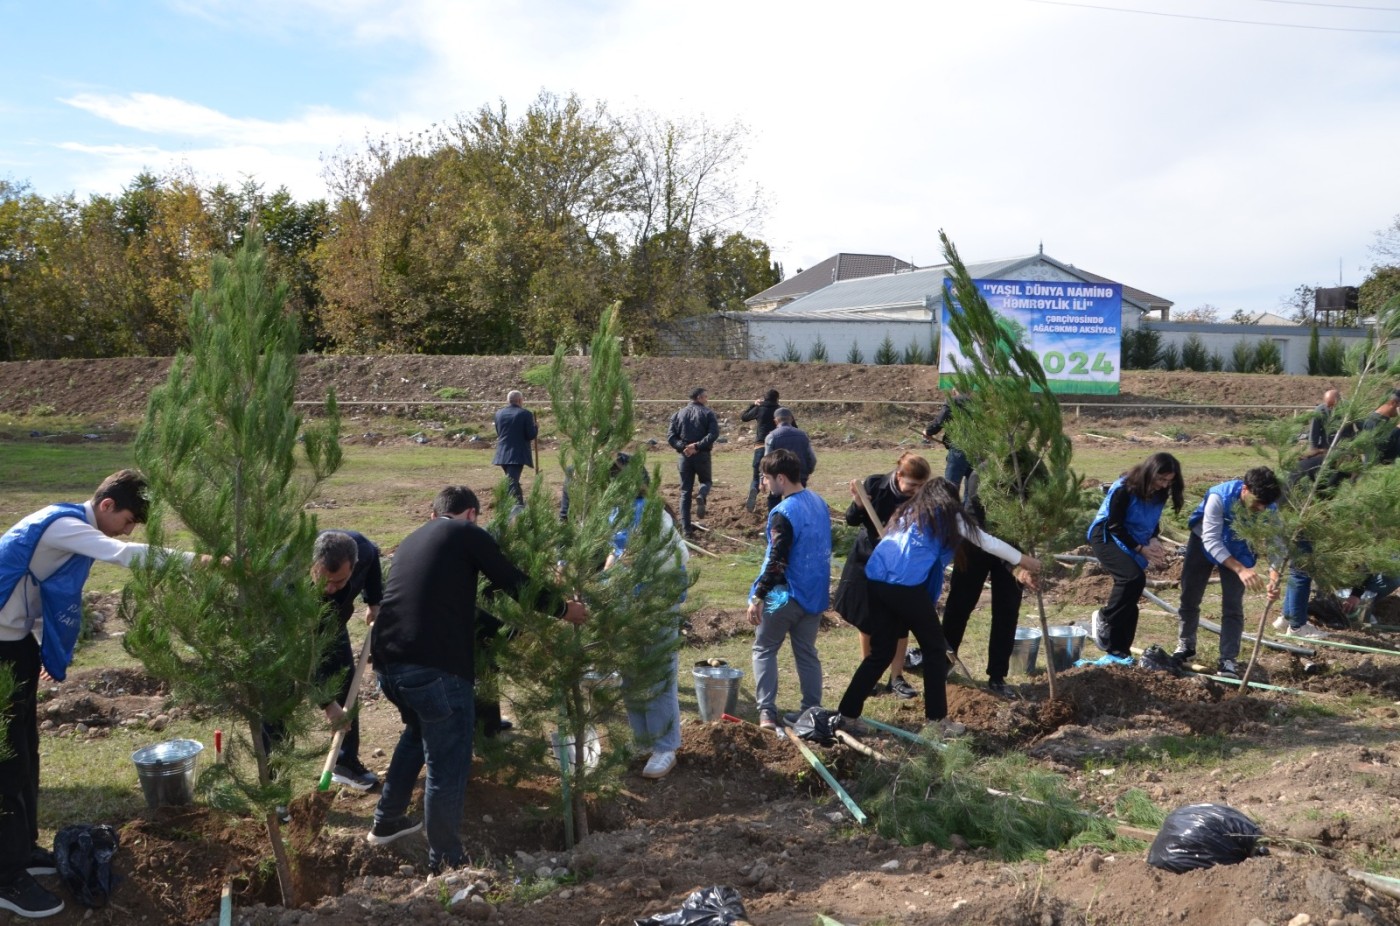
[515, 431]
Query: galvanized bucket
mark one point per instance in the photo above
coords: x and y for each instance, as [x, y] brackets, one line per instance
[716, 691]
[166, 772]
[1025, 651]
[1065, 644]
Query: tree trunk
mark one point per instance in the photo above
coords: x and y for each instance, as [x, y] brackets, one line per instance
[1045, 642]
[273, 824]
[1259, 633]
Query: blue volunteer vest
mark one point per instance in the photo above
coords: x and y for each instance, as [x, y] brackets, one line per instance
[60, 595]
[1229, 494]
[809, 564]
[1142, 518]
[909, 556]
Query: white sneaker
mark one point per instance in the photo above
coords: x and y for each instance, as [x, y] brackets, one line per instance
[1096, 629]
[1307, 631]
[659, 765]
[1281, 624]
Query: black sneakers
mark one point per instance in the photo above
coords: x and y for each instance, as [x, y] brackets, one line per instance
[1228, 668]
[903, 689]
[998, 687]
[1182, 657]
[700, 507]
[42, 862]
[386, 831]
[353, 774]
[27, 898]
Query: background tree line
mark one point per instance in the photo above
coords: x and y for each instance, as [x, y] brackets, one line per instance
[497, 233]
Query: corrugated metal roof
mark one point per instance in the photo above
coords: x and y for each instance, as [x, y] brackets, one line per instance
[822, 274]
[867, 297]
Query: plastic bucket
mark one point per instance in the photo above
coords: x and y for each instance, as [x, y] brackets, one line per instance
[166, 772]
[716, 691]
[1065, 644]
[1025, 650]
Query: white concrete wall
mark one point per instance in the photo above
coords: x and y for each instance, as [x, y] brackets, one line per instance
[1221, 338]
[769, 335]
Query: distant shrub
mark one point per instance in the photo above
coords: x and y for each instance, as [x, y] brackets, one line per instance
[886, 355]
[1194, 355]
[913, 354]
[1332, 359]
[452, 392]
[537, 376]
[1267, 357]
[790, 352]
[1242, 357]
[1217, 362]
[1169, 358]
[818, 352]
[854, 355]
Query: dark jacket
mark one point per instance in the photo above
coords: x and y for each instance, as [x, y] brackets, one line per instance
[428, 616]
[515, 428]
[367, 580]
[787, 437]
[762, 414]
[956, 406]
[694, 424]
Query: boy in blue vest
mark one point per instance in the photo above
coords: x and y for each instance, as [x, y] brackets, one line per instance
[1214, 544]
[44, 561]
[794, 587]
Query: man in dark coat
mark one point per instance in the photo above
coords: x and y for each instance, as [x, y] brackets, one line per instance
[515, 432]
[788, 436]
[424, 652]
[761, 413]
[345, 566]
[694, 430]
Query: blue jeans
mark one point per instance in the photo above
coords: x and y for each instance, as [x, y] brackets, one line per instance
[1295, 599]
[956, 469]
[655, 718]
[775, 626]
[438, 711]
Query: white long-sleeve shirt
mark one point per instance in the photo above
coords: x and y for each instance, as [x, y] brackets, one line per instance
[61, 540]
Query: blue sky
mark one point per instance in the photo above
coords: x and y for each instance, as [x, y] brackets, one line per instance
[1205, 161]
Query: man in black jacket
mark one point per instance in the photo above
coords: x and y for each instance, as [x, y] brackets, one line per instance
[345, 565]
[424, 655]
[694, 430]
[761, 413]
[788, 436]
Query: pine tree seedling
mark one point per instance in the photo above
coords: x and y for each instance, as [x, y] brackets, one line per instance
[230, 461]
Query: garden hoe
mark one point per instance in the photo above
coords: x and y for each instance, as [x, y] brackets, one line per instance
[355, 681]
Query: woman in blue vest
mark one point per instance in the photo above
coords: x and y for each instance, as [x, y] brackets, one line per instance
[1124, 538]
[1213, 544]
[905, 578]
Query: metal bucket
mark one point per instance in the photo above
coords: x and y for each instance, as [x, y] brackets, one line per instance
[593, 744]
[166, 772]
[716, 691]
[1025, 650]
[1065, 644]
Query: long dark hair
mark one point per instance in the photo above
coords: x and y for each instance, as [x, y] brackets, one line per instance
[935, 508]
[1139, 479]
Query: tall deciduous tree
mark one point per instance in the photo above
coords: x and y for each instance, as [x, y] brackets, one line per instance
[555, 668]
[231, 460]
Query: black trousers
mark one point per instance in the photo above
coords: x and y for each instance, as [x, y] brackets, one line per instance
[1120, 615]
[965, 590]
[693, 469]
[896, 610]
[19, 774]
[513, 471]
[339, 658]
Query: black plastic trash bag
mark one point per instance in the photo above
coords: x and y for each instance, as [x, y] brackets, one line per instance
[711, 906]
[1156, 658]
[84, 853]
[1202, 836]
[817, 725]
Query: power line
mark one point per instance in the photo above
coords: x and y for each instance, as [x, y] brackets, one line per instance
[1336, 6]
[1215, 19]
